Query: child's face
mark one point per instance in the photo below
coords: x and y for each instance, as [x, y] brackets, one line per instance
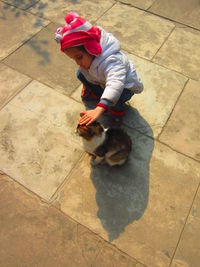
[83, 59]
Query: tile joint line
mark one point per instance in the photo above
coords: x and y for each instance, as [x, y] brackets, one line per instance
[184, 225]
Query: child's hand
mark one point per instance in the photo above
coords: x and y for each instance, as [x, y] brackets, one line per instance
[91, 115]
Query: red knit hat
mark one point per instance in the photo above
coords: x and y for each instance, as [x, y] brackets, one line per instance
[79, 31]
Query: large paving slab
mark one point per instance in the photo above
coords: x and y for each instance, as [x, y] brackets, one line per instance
[181, 52]
[108, 257]
[182, 131]
[38, 146]
[134, 191]
[144, 4]
[149, 111]
[11, 82]
[35, 234]
[187, 253]
[56, 10]
[25, 4]
[17, 27]
[140, 207]
[139, 32]
[43, 61]
[184, 11]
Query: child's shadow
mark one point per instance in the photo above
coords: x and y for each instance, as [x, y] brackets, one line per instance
[122, 192]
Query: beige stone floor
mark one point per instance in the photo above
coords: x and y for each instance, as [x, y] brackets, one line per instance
[56, 209]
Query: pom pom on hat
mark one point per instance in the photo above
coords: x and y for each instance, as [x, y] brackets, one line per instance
[79, 31]
[58, 34]
[70, 17]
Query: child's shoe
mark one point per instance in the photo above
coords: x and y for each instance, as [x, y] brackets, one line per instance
[116, 119]
[88, 95]
[85, 94]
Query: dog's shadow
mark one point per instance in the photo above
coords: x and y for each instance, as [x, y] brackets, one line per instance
[122, 192]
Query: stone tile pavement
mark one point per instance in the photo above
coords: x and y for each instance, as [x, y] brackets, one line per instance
[55, 208]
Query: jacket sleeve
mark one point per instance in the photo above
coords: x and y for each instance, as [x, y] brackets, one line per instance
[115, 75]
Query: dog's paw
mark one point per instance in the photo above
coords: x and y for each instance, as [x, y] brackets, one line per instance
[96, 160]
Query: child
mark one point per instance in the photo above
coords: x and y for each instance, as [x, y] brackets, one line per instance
[107, 75]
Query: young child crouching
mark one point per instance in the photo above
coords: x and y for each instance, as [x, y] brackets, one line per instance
[106, 73]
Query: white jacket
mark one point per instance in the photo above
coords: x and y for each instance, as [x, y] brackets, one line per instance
[112, 70]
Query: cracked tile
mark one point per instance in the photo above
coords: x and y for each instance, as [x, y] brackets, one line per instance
[90, 245]
[109, 256]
